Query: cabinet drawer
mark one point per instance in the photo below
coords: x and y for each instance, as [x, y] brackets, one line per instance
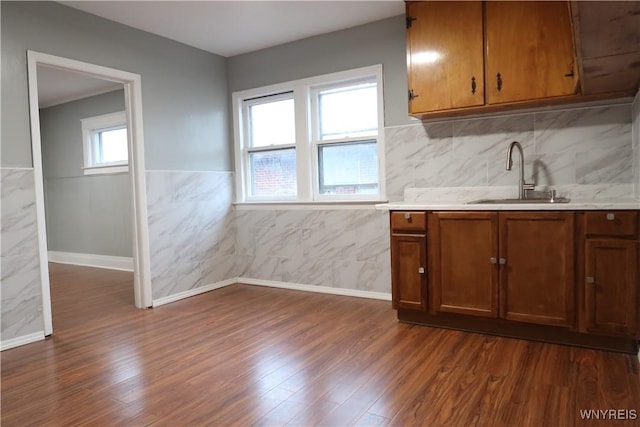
[611, 223]
[409, 221]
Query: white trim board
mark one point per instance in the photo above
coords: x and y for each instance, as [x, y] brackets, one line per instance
[133, 106]
[273, 284]
[23, 340]
[312, 288]
[92, 260]
[193, 292]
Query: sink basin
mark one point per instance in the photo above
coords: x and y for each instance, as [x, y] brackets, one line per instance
[517, 201]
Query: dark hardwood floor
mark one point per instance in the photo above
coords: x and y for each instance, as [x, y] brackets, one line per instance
[246, 355]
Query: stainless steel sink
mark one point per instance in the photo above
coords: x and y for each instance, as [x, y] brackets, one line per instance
[517, 201]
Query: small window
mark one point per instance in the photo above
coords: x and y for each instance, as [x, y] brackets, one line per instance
[105, 144]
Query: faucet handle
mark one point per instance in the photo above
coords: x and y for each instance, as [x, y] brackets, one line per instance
[552, 195]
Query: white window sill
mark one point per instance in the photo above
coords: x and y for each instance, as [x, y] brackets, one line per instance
[100, 170]
[339, 204]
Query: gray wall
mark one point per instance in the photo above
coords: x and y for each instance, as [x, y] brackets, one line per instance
[184, 92]
[89, 214]
[382, 42]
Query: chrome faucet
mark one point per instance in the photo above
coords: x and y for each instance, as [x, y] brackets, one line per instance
[522, 186]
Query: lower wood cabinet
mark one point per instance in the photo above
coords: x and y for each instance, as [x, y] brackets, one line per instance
[408, 267]
[463, 251]
[559, 276]
[512, 265]
[611, 286]
[537, 267]
[409, 260]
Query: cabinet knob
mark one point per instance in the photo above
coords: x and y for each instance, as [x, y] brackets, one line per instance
[493, 260]
[421, 270]
[590, 280]
[503, 261]
[611, 217]
[407, 216]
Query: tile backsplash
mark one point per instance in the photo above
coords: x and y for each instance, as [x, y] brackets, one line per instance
[583, 146]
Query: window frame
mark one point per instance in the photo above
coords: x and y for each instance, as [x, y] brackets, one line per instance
[306, 123]
[91, 126]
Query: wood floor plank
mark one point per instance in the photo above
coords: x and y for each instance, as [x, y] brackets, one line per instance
[245, 355]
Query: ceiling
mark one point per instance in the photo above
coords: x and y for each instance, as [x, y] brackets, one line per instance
[229, 28]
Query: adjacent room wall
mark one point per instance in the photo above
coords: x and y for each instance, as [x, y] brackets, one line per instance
[185, 118]
[86, 214]
[184, 89]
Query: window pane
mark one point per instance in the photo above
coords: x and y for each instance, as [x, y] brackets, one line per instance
[272, 123]
[113, 144]
[273, 173]
[348, 112]
[348, 168]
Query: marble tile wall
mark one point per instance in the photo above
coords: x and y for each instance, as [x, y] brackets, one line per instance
[584, 146]
[191, 229]
[20, 291]
[346, 249]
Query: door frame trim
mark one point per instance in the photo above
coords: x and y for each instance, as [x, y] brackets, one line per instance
[133, 107]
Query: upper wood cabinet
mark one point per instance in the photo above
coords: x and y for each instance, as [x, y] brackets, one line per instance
[471, 57]
[445, 60]
[529, 50]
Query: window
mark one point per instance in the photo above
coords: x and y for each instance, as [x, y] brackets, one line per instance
[105, 144]
[311, 140]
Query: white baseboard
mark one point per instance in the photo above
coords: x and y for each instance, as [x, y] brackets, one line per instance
[272, 284]
[312, 288]
[193, 292]
[92, 260]
[18, 341]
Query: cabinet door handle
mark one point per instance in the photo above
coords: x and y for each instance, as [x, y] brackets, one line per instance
[590, 280]
[611, 217]
[473, 84]
[421, 270]
[499, 82]
[503, 261]
[493, 260]
[407, 216]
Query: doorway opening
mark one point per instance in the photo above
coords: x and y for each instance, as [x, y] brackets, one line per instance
[130, 84]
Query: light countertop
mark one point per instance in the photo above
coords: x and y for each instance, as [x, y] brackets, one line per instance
[573, 205]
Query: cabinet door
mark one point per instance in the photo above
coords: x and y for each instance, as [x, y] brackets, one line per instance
[611, 286]
[408, 271]
[445, 55]
[537, 267]
[464, 247]
[529, 44]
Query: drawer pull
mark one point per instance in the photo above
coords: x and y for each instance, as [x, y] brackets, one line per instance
[421, 270]
[590, 280]
[611, 216]
[407, 216]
